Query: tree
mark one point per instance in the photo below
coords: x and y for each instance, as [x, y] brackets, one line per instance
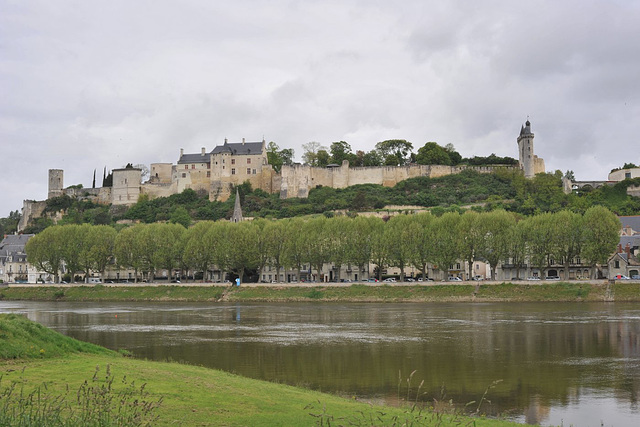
[44, 250]
[198, 250]
[310, 154]
[472, 233]
[341, 151]
[322, 158]
[181, 216]
[72, 246]
[372, 158]
[455, 157]
[293, 251]
[99, 243]
[538, 234]
[275, 243]
[518, 246]
[277, 157]
[446, 242]
[399, 148]
[432, 154]
[602, 234]
[497, 228]
[243, 253]
[397, 234]
[361, 240]
[568, 232]
[338, 230]
[421, 241]
[128, 249]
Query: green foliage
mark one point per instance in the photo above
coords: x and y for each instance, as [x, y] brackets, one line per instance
[21, 338]
[9, 224]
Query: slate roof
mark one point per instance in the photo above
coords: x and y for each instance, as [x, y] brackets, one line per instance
[13, 245]
[239, 148]
[526, 129]
[631, 221]
[194, 158]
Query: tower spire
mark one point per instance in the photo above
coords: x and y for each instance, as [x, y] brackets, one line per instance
[237, 209]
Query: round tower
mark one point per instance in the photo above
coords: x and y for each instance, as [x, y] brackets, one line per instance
[525, 150]
[56, 183]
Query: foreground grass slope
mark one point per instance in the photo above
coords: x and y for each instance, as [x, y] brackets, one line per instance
[185, 395]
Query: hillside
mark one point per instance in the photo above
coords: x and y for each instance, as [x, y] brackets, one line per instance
[505, 189]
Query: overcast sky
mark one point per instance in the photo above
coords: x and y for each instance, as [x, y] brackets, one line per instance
[87, 84]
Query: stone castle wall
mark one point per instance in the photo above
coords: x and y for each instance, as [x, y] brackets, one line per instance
[298, 180]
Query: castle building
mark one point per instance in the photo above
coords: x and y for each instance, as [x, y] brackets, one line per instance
[216, 173]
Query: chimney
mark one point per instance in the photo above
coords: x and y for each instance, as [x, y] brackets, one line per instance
[203, 153]
[242, 141]
[181, 152]
[627, 249]
[619, 248]
[225, 141]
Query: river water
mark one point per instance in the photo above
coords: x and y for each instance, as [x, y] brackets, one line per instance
[547, 363]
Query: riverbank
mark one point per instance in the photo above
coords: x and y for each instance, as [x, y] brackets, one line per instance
[621, 291]
[51, 373]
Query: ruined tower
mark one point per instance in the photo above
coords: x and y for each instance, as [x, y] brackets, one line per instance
[56, 183]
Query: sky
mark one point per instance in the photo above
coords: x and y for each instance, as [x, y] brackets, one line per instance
[89, 84]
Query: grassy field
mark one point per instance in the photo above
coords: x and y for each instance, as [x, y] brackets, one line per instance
[508, 292]
[94, 386]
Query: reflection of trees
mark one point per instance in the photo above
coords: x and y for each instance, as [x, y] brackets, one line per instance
[544, 353]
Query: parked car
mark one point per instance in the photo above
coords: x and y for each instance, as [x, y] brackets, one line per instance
[553, 278]
[454, 279]
[409, 279]
[372, 280]
[389, 280]
[635, 277]
[621, 277]
[477, 278]
[533, 278]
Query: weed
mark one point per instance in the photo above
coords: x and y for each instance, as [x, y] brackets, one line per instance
[96, 403]
[414, 411]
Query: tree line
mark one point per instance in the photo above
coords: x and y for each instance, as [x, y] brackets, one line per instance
[421, 241]
[392, 152]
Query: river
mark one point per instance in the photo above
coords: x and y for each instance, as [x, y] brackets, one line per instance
[548, 363]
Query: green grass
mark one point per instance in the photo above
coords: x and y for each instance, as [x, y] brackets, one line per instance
[113, 293]
[173, 394]
[21, 338]
[507, 292]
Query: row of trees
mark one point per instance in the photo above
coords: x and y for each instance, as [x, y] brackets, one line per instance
[402, 241]
[393, 152]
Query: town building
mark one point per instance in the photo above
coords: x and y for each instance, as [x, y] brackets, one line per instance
[14, 267]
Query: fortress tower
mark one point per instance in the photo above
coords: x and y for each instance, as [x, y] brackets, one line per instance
[525, 151]
[56, 183]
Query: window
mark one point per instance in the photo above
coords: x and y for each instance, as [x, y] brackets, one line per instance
[249, 161]
[233, 171]
[184, 175]
[616, 264]
[186, 166]
[193, 166]
[627, 175]
[248, 171]
[254, 171]
[233, 161]
[208, 174]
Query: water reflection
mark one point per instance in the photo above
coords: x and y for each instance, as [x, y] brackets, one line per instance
[560, 363]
